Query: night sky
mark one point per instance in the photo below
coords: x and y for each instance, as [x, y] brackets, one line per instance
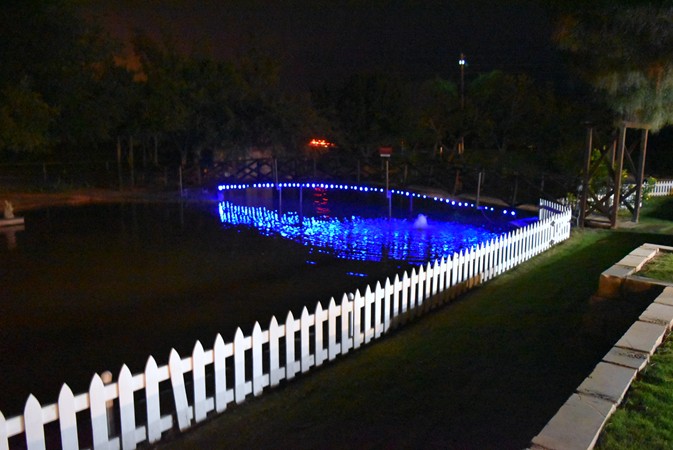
[320, 41]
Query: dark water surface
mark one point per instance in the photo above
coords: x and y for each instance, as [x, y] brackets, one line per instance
[87, 289]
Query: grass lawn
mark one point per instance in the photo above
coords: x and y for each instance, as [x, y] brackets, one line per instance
[487, 371]
[659, 268]
[645, 419]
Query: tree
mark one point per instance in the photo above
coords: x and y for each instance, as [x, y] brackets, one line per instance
[625, 51]
[439, 114]
[25, 120]
[55, 67]
[184, 100]
[515, 123]
[369, 110]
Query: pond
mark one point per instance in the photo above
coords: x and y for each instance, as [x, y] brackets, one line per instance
[414, 229]
[87, 289]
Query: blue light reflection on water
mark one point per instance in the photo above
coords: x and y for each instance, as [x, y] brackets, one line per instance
[359, 237]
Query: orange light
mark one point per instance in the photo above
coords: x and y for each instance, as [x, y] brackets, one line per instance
[320, 143]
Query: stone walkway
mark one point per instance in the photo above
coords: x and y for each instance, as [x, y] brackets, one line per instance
[580, 420]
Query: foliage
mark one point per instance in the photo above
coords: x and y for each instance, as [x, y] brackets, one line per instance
[626, 52]
[201, 106]
[61, 89]
[369, 110]
[56, 66]
[512, 122]
[24, 120]
[437, 108]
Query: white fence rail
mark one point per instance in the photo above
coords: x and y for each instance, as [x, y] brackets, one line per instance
[662, 188]
[141, 408]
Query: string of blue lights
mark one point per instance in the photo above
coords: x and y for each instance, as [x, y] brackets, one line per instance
[352, 187]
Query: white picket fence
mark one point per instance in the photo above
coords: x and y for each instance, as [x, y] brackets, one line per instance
[141, 408]
[662, 188]
[550, 209]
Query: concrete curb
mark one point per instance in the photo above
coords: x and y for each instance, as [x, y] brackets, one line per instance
[579, 422]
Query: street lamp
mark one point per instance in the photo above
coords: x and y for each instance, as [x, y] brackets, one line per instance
[462, 62]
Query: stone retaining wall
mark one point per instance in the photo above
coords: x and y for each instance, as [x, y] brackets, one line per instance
[577, 425]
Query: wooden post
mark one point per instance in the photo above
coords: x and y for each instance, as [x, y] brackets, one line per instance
[516, 189]
[640, 175]
[618, 166]
[585, 178]
[180, 179]
[119, 163]
[131, 161]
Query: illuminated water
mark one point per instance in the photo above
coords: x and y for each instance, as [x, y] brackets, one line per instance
[357, 227]
[87, 289]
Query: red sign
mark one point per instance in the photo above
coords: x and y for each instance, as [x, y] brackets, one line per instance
[385, 152]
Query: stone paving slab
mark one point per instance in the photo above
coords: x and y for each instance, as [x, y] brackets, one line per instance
[608, 381]
[642, 336]
[666, 297]
[618, 271]
[645, 252]
[658, 313]
[576, 425]
[637, 262]
[627, 358]
[610, 281]
[657, 246]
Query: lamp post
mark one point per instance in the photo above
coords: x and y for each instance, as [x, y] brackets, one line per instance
[462, 62]
[385, 153]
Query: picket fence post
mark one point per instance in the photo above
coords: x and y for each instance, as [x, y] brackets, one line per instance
[153, 408]
[127, 413]
[182, 410]
[378, 310]
[34, 425]
[413, 290]
[347, 324]
[67, 418]
[291, 365]
[306, 321]
[321, 316]
[406, 283]
[260, 380]
[420, 290]
[397, 288]
[387, 307]
[334, 348]
[358, 304]
[369, 301]
[276, 332]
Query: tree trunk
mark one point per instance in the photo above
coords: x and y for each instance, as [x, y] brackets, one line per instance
[131, 161]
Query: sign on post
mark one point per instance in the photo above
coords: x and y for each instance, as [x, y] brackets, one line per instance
[385, 152]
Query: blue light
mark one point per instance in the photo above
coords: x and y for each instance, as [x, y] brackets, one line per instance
[240, 186]
[358, 238]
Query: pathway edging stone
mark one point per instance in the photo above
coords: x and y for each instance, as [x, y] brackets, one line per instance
[579, 422]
